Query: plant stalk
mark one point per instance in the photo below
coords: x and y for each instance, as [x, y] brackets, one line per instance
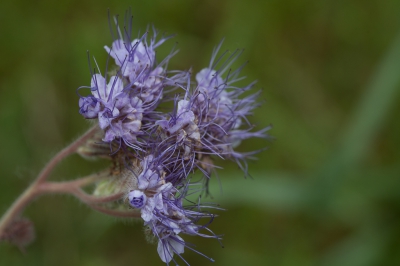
[35, 189]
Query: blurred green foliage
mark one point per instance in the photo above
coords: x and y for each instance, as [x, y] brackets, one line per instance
[325, 193]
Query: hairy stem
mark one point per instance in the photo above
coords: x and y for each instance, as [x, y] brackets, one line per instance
[64, 153]
[34, 189]
[16, 208]
[74, 188]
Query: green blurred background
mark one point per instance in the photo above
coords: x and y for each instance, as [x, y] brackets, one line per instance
[325, 193]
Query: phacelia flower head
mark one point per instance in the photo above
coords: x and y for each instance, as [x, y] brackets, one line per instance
[162, 148]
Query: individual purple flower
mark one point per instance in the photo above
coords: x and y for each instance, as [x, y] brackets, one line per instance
[118, 113]
[89, 107]
[169, 245]
[211, 87]
[151, 173]
[167, 230]
[132, 58]
[183, 117]
[137, 63]
[182, 129]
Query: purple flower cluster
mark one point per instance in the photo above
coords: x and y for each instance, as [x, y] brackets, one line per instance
[209, 119]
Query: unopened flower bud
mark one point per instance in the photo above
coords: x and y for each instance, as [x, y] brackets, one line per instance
[137, 199]
[20, 233]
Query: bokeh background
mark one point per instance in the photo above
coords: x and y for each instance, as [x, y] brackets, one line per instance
[325, 193]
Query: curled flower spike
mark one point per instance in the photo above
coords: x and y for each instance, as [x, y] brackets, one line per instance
[125, 107]
[222, 116]
[137, 62]
[151, 191]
